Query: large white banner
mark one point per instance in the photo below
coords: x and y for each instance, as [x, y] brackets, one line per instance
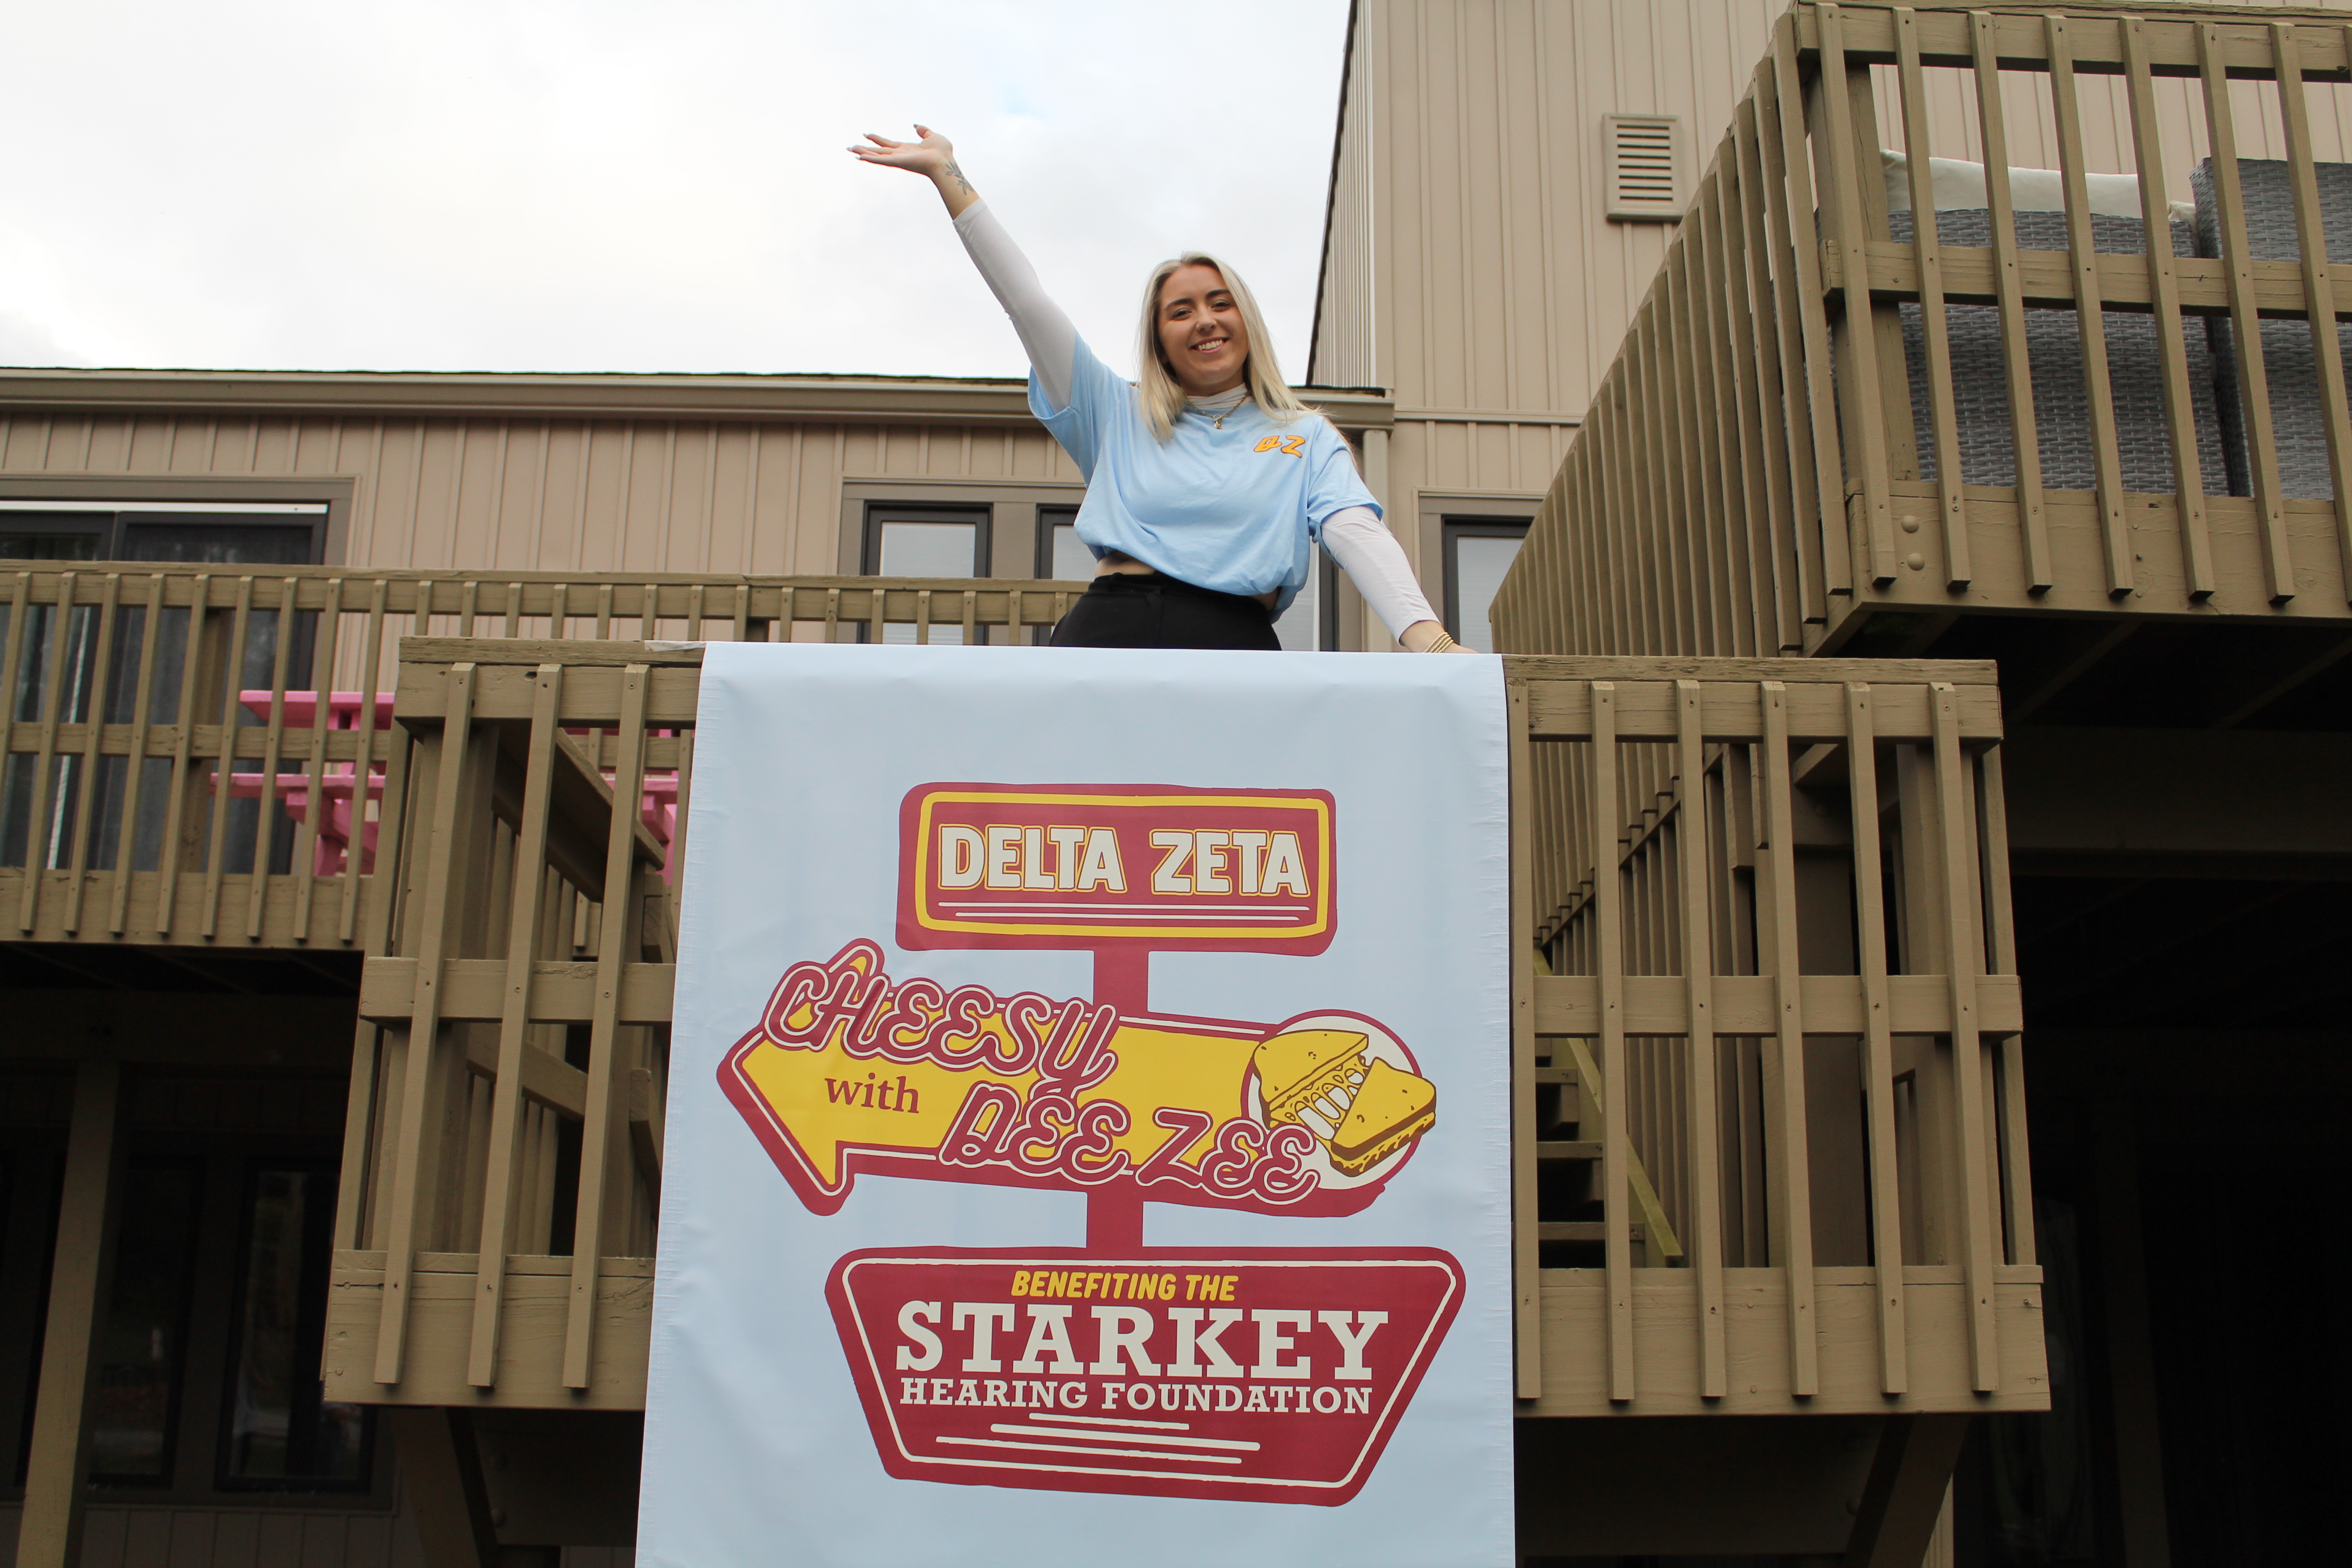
[1088, 1127]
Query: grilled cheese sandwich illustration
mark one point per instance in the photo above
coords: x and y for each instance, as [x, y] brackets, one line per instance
[1391, 1108]
[1296, 1069]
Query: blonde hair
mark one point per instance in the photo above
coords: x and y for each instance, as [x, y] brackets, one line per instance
[1162, 395]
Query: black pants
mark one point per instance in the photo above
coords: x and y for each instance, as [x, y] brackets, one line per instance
[1127, 610]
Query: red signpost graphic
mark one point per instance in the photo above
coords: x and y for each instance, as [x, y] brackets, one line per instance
[1257, 1375]
[1107, 866]
[1251, 1375]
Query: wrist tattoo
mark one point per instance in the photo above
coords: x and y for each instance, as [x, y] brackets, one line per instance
[956, 173]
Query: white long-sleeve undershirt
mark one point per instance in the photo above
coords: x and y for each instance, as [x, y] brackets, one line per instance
[1355, 535]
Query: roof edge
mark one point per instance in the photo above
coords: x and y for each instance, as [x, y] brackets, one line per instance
[827, 398]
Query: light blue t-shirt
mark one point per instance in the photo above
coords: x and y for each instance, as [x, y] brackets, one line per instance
[1236, 509]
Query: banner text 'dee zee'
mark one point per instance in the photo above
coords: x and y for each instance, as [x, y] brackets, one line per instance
[852, 1071]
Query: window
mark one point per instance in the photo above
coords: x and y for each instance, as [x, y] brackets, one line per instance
[1478, 552]
[280, 1430]
[1312, 622]
[276, 533]
[206, 1374]
[288, 533]
[1061, 556]
[927, 541]
[142, 1351]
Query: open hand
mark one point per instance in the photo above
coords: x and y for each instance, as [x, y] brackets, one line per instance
[932, 156]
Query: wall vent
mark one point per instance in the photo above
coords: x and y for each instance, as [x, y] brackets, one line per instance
[1645, 167]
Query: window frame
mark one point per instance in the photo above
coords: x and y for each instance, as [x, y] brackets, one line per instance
[224, 498]
[112, 528]
[1050, 516]
[197, 1449]
[979, 513]
[1453, 528]
[253, 1160]
[878, 513]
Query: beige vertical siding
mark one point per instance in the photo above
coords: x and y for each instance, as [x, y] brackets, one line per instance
[606, 494]
[1469, 242]
[1499, 283]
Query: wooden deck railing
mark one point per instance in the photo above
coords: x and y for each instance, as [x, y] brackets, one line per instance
[1820, 408]
[1765, 1159]
[169, 774]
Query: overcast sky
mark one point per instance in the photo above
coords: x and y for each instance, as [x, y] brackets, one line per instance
[528, 184]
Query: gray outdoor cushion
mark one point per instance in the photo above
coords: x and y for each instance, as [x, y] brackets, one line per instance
[2289, 359]
[2054, 345]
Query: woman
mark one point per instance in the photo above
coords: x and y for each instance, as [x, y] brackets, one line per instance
[1208, 483]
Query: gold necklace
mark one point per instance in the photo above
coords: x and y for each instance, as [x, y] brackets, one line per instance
[1218, 419]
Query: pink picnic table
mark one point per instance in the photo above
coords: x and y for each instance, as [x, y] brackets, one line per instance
[337, 784]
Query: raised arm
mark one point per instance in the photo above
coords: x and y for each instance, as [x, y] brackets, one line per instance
[1046, 335]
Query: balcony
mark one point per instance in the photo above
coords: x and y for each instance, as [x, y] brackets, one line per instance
[1767, 1147]
[1809, 441]
[169, 776]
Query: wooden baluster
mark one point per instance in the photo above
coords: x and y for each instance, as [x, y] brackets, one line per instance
[1867, 415]
[2164, 295]
[1797, 265]
[1878, 1044]
[39, 845]
[1608, 906]
[404, 1167]
[2318, 286]
[314, 773]
[2253, 388]
[1526, 1253]
[93, 748]
[1783, 442]
[231, 675]
[1695, 853]
[1963, 954]
[2090, 312]
[266, 820]
[356, 858]
[2017, 365]
[1928, 255]
[2016, 1164]
[617, 933]
[1788, 1139]
[523, 930]
[184, 717]
[126, 853]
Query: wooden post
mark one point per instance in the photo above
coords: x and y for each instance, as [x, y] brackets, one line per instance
[2131, 1353]
[1905, 1494]
[448, 1498]
[1526, 1254]
[80, 1281]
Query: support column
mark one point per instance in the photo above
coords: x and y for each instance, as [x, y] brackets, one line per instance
[1910, 1481]
[2131, 1353]
[80, 1283]
[441, 1474]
